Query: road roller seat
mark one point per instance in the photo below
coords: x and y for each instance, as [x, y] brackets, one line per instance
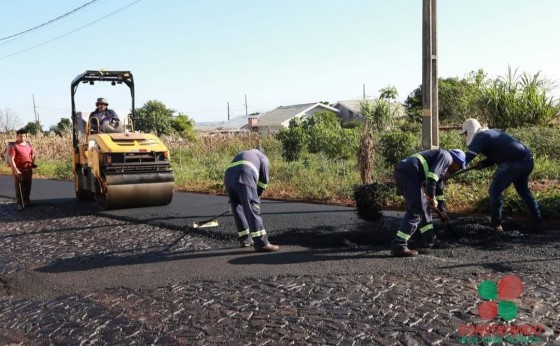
[113, 126]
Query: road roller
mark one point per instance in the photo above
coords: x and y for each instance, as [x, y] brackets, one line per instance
[113, 163]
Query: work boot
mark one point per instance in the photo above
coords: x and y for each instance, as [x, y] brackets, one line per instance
[403, 251]
[267, 248]
[244, 244]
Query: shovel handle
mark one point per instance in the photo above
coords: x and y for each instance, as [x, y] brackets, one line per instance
[214, 218]
[442, 215]
[461, 171]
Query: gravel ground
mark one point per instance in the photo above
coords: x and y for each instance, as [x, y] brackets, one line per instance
[371, 305]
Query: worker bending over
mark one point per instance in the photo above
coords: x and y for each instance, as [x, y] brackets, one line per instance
[245, 180]
[418, 179]
[515, 164]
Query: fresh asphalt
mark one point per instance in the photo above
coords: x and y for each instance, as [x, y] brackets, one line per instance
[226, 261]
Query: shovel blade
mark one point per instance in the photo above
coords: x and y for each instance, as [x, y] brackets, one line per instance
[213, 223]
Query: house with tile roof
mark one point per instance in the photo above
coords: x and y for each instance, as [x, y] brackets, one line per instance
[349, 110]
[280, 117]
[234, 125]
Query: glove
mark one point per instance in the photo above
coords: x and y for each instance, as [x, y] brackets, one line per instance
[432, 202]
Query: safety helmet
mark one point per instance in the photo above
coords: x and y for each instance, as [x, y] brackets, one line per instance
[102, 100]
[459, 157]
[471, 127]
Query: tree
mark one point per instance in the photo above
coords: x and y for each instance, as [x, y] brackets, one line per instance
[322, 129]
[458, 99]
[321, 133]
[388, 93]
[377, 117]
[63, 127]
[378, 113]
[154, 116]
[184, 126]
[33, 127]
[8, 120]
[293, 140]
[413, 105]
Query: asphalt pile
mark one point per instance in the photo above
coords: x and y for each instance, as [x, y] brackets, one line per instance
[369, 198]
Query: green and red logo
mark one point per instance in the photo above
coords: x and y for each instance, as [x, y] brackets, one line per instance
[498, 301]
[498, 298]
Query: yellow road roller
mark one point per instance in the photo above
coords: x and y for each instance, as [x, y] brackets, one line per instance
[112, 163]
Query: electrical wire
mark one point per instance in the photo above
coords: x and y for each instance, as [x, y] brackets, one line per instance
[70, 32]
[49, 22]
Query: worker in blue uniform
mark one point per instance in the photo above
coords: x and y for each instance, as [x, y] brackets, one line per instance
[514, 165]
[420, 179]
[245, 180]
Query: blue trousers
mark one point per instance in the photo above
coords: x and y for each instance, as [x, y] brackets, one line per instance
[410, 183]
[516, 173]
[245, 207]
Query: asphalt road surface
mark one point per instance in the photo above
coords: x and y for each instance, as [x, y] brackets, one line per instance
[71, 274]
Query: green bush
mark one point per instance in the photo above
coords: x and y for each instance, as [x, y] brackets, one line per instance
[397, 145]
[543, 141]
[451, 140]
[64, 170]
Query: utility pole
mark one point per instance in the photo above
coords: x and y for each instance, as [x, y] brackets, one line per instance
[430, 121]
[246, 113]
[35, 110]
[228, 111]
[364, 91]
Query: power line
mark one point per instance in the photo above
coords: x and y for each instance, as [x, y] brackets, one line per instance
[47, 23]
[68, 33]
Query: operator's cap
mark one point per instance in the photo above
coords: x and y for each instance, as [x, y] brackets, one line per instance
[459, 157]
[102, 100]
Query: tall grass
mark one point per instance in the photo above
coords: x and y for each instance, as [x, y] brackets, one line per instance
[199, 166]
[516, 100]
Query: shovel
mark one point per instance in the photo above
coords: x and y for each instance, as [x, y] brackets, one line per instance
[461, 171]
[210, 222]
[445, 222]
[20, 178]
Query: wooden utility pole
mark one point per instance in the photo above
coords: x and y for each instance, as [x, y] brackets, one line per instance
[430, 121]
[35, 110]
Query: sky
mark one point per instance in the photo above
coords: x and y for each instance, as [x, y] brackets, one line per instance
[196, 56]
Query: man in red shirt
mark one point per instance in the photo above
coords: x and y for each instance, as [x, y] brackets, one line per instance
[21, 157]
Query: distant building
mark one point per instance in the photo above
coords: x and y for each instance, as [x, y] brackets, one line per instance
[280, 117]
[350, 110]
[235, 125]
